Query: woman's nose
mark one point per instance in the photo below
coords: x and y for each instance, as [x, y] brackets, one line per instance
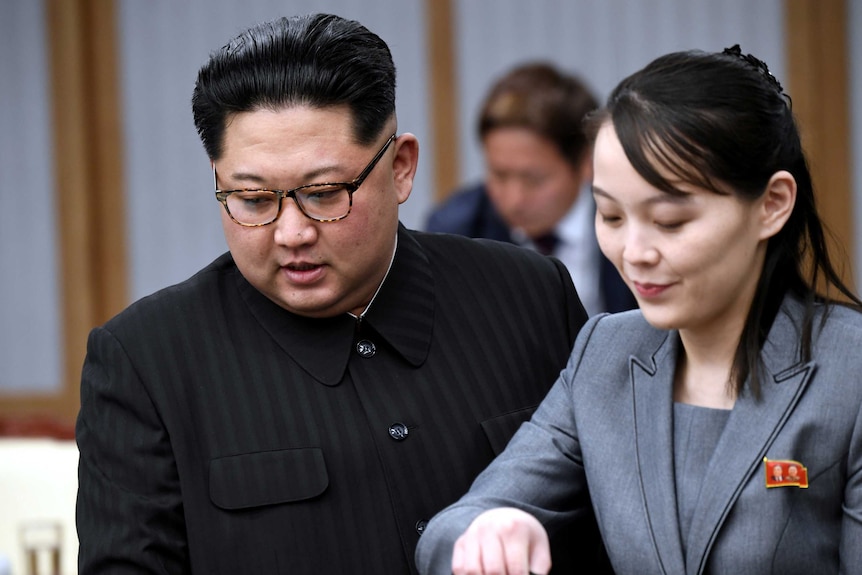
[639, 249]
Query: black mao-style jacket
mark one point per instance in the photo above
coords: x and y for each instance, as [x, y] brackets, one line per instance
[220, 433]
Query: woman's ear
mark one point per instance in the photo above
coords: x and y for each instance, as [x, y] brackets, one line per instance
[777, 203]
[404, 165]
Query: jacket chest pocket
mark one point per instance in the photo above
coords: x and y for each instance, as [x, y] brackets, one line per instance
[267, 478]
[500, 429]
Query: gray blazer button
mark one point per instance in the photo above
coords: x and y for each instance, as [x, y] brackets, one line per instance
[366, 348]
[420, 526]
[398, 431]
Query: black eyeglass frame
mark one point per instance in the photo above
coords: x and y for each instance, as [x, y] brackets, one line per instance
[350, 187]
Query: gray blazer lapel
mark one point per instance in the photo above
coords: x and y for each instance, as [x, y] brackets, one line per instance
[751, 429]
[652, 390]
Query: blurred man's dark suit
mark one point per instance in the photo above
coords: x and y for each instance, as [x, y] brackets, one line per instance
[469, 212]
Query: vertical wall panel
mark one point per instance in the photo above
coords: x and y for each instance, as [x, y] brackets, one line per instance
[854, 25]
[174, 226]
[818, 52]
[30, 356]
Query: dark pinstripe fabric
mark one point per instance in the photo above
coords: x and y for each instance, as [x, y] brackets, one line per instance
[221, 434]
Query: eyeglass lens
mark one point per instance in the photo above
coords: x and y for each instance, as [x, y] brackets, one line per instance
[321, 202]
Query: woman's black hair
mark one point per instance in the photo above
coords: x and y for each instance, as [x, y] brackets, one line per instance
[722, 122]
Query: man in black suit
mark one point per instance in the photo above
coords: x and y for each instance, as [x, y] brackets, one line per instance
[535, 192]
[306, 402]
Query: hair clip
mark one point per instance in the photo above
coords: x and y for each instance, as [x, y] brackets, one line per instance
[758, 64]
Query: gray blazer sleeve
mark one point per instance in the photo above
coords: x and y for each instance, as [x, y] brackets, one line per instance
[612, 406]
[850, 549]
[540, 471]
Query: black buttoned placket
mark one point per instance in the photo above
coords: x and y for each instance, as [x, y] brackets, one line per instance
[379, 374]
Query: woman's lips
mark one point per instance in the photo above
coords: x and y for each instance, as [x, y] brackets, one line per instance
[650, 290]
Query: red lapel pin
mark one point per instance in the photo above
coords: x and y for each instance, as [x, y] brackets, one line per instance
[785, 473]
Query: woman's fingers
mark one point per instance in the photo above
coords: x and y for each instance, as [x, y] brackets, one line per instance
[503, 541]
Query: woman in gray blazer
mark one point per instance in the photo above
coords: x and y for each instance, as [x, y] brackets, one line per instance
[717, 429]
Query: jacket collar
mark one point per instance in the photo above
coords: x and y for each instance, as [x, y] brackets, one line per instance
[652, 389]
[750, 430]
[402, 315]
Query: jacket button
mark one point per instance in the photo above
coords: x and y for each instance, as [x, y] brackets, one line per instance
[366, 348]
[398, 431]
[420, 526]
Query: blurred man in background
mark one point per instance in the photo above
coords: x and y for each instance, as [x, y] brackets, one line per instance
[536, 188]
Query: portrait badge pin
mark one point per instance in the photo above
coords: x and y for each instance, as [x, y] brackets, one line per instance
[785, 473]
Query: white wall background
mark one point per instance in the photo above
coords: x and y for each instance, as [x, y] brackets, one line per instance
[164, 42]
[29, 294]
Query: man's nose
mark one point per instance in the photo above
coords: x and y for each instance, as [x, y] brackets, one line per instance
[292, 227]
[516, 193]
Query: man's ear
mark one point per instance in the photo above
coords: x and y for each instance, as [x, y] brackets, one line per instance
[404, 165]
[777, 203]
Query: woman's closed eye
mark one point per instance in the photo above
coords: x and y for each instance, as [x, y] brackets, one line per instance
[610, 219]
[670, 225]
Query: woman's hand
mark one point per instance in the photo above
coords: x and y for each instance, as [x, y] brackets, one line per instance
[504, 541]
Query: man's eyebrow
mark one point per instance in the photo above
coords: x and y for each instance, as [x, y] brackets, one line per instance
[307, 177]
[245, 177]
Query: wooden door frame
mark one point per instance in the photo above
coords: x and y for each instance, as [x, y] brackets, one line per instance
[818, 57]
[89, 192]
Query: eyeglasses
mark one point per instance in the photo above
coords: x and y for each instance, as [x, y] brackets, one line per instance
[325, 202]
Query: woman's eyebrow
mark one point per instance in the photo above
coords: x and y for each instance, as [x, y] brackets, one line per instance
[659, 198]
